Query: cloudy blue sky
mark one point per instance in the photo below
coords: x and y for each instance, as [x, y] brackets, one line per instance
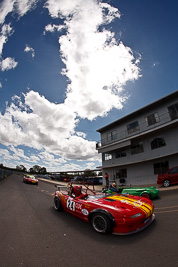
[70, 67]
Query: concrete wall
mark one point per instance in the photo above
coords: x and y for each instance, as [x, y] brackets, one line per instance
[4, 173]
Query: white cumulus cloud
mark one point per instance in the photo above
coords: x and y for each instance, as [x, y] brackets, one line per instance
[97, 65]
[41, 124]
[30, 49]
[8, 64]
[6, 31]
[53, 28]
[20, 7]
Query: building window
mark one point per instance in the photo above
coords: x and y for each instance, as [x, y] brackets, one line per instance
[121, 173]
[120, 154]
[137, 148]
[161, 167]
[173, 111]
[133, 127]
[157, 142]
[107, 156]
[152, 119]
[111, 136]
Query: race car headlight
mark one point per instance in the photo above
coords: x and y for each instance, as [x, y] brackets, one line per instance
[135, 215]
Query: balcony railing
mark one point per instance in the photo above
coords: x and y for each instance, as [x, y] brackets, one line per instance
[164, 119]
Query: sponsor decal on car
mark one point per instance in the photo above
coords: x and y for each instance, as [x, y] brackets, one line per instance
[85, 212]
[70, 204]
[87, 206]
[78, 206]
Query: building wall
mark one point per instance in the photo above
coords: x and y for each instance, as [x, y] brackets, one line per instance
[140, 167]
[171, 139]
[121, 128]
[141, 173]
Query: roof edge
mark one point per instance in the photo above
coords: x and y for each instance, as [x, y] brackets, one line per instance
[172, 95]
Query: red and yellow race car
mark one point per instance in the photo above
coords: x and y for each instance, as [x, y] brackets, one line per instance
[30, 179]
[117, 214]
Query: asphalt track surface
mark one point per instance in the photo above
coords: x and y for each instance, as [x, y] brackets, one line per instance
[33, 234]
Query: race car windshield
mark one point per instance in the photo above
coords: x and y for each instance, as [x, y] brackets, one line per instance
[95, 196]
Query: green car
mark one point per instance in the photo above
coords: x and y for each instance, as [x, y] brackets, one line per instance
[147, 192]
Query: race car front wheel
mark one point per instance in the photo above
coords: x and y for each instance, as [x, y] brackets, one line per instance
[57, 204]
[101, 223]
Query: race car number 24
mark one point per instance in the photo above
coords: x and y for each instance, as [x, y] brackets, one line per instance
[70, 204]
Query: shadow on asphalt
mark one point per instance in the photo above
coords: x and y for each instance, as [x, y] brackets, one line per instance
[84, 228]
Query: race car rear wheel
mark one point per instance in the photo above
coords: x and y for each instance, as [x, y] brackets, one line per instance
[57, 204]
[166, 183]
[101, 223]
[146, 195]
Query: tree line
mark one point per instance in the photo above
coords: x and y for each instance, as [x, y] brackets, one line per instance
[34, 169]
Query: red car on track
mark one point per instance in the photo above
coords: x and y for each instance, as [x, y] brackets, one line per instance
[30, 179]
[118, 214]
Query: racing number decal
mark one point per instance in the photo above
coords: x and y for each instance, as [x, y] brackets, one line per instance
[71, 204]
